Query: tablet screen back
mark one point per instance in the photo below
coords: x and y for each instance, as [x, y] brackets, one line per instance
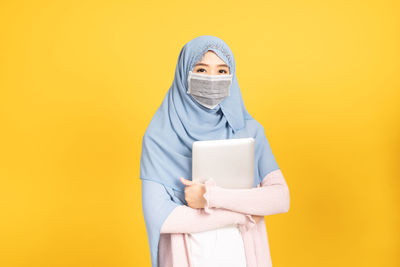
[230, 162]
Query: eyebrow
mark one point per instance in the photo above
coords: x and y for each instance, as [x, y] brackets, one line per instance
[220, 65]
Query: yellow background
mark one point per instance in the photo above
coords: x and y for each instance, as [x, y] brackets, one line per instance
[80, 81]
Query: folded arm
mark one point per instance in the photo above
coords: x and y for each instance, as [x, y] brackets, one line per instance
[184, 219]
[162, 212]
[270, 197]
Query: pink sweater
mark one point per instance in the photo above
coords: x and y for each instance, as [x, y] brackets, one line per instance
[224, 207]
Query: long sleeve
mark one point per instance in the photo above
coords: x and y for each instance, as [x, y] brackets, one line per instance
[270, 197]
[184, 219]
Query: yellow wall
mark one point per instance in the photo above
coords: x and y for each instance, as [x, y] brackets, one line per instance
[80, 81]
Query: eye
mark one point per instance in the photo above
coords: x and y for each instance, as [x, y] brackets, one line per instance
[201, 70]
[223, 71]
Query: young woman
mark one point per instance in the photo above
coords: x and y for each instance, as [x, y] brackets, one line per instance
[199, 225]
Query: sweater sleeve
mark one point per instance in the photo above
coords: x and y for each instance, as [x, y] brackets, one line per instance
[184, 219]
[270, 197]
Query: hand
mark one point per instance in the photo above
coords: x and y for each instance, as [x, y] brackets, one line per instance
[257, 218]
[194, 194]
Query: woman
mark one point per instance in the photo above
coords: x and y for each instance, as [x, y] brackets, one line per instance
[184, 218]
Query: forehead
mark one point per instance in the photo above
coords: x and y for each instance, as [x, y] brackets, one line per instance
[211, 57]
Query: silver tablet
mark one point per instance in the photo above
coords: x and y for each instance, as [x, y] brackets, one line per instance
[230, 162]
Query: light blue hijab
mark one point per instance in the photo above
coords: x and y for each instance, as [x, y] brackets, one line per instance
[177, 123]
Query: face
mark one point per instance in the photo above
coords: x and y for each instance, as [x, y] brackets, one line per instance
[211, 64]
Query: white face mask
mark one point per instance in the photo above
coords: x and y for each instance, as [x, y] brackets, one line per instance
[209, 90]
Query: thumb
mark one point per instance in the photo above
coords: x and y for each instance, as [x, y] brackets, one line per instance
[186, 182]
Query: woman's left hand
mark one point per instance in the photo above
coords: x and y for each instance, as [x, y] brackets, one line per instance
[194, 194]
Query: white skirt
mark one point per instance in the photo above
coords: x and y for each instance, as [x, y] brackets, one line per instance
[222, 247]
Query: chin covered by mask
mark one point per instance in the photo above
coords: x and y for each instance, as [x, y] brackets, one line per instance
[209, 90]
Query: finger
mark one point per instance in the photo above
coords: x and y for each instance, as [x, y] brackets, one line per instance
[186, 182]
